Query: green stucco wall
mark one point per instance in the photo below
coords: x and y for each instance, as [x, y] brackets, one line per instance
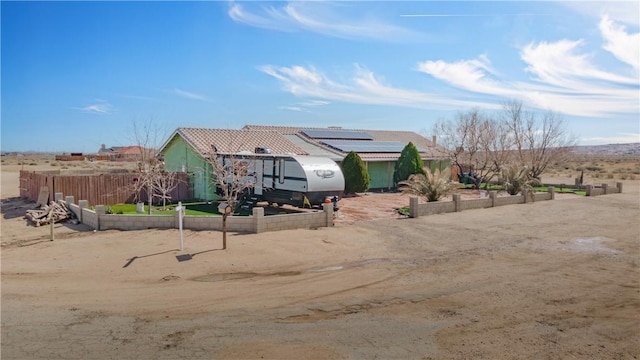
[380, 174]
[180, 157]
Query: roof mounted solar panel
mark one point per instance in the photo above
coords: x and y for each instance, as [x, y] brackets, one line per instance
[337, 134]
[367, 146]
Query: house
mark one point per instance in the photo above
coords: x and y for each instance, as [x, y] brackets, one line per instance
[378, 149]
[124, 153]
[187, 149]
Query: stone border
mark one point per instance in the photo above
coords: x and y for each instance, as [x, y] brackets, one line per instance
[417, 209]
[256, 223]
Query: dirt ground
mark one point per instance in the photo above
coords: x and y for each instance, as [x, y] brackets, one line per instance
[547, 280]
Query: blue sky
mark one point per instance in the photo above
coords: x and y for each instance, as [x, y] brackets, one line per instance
[79, 74]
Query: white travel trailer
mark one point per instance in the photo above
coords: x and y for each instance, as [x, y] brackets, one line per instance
[289, 179]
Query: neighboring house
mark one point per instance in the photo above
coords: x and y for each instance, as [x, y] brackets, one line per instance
[188, 149]
[124, 153]
[378, 149]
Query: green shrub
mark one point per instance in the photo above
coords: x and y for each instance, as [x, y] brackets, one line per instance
[429, 185]
[408, 163]
[356, 176]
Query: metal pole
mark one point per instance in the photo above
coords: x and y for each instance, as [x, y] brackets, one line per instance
[180, 212]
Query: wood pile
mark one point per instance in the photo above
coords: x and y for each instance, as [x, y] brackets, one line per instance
[55, 211]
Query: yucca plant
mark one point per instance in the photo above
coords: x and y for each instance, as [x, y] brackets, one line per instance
[432, 185]
[515, 179]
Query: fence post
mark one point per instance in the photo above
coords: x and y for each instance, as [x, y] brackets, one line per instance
[456, 201]
[589, 189]
[69, 200]
[413, 207]
[83, 204]
[258, 219]
[100, 211]
[619, 186]
[604, 188]
[328, 210]
[492, 195]
[552, 191]
[58, 196]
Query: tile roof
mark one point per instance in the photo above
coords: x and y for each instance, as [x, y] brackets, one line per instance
[432, 152]
[130, 150]
[233, 141]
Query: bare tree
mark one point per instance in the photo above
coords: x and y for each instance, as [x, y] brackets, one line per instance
[151, 177]
[163, 185]
[233, 175]
[475, 142]
[537, 140]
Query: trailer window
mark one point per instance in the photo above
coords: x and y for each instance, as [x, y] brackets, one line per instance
[281, 171]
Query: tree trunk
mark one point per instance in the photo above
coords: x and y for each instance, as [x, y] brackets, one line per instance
[224, 231]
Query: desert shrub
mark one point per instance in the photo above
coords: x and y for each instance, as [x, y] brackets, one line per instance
[515, 179]
[623, 177]
[632, 177]
[404, 211]
[431, 185]
[609, 176]
[356, 177]
[408, 163]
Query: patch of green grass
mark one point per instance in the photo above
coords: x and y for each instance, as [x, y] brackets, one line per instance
[560, 191]
[404, 211]
[199, 208]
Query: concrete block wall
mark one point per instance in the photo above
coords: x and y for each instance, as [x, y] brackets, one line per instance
[257, 223]
[509, 200]
[136, 222]
[295, 221]
[475, 204]
[195, 222]
[603, 189]
[90, 218]
[543, 196]
[457, 204]
[242, 224]
[431, 208]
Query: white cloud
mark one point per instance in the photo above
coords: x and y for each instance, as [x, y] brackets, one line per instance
[623, 138]
[293, 108]
[99, 107]
[625, 11]
[321, 18]
[314, 103]
[189, 95]
[563, 79]
[364, 88]
[624, 46]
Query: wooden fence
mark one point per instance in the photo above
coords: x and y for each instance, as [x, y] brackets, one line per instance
[98, 189]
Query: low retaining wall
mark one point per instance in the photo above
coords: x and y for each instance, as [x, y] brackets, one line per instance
[457, 204]
[98, 219]
[603, 189]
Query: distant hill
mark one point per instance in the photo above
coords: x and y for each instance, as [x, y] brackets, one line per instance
[611, 149]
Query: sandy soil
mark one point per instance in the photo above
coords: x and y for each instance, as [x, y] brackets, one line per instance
[548, 280]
